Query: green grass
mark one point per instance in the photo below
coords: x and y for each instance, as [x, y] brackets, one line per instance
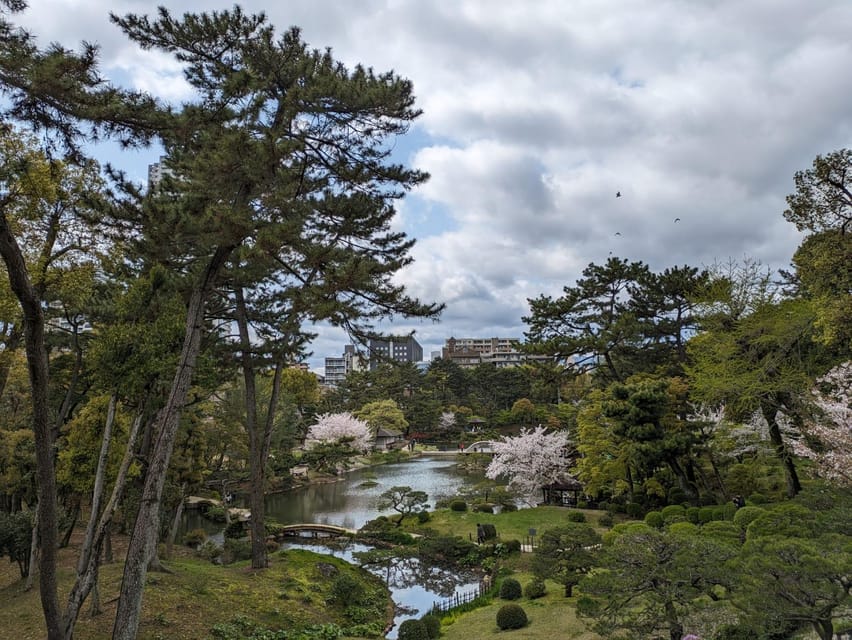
[552, 616]
[197, 595]
[511, 525]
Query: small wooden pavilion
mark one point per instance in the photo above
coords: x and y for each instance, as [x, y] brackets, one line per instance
[565, 491]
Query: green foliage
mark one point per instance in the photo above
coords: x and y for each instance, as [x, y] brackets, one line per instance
[606, 520]
[746, 515]
[576, 516]
[673, 513]
[510, 589]
[511, 616]
[458, 505]
[15, 537]
[413, 630]
[654, 519]
[683, 528]
[404, 500]
[634, 509]
[346, 590]
[535, 589]
[789, 520]
[210, 551]
[513, 545]
[566, 553]
[489, 531]
[235, 529]
[484, 507]
[195, 537]
[722, 531]
[236, 550]
[693, 515]
[423, 517]
[432, 624]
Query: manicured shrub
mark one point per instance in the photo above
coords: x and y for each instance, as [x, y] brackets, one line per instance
[673, 513]
[458, 505]
[412, 630]
[195, 537]
[432, 624]
[606, 520]
[757, 498]
[511, 616]
[576, 516]
[729, 511]
[484, 507]
[692, 515]
[506, 507]
[745, 516]
[685, 528]
[722, 531]
[535, 589]
[510, 589]
[634, 510]
[718, 513]
[513, 546]
[489, 531]
[705, 515]
[423, 517]
[654, 519]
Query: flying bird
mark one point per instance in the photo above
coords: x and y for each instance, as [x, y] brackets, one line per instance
[618, 233]
[677, 219]
[618, 194]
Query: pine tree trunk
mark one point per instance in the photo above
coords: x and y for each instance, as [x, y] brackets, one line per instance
[144, 537]
[770, 411]
[170, 542]
[33, 321]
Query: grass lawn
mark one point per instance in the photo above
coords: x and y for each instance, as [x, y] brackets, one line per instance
[197, 595]
[510, 525]
[552, 616]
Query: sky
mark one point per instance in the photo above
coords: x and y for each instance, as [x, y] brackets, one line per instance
[535, 114]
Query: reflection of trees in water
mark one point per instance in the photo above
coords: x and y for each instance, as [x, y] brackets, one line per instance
[403, 572]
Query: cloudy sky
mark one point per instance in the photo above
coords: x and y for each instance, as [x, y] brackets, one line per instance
[536, 113]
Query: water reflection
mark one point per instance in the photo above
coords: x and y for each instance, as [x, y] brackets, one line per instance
[414, 585]
[348, 503]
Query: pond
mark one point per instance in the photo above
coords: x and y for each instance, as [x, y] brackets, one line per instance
[352, 501]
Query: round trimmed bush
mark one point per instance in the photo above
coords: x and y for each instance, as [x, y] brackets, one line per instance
[423, 517]
[634, 510]
[746, 515]
[413, 630]
[673, 513]
[576, 516]
[692, 515]
[458, 505]
[513, 546]
[484, 507]
[510, 589]
[535, 589]
[511, 616]
[606, 520]
[654, 519]
[433, 625]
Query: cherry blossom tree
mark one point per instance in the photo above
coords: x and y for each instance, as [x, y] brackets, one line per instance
[333, 428]
[531, 460]
[828, 436]
[447, 421]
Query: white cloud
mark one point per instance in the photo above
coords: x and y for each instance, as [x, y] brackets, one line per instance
[537, 113]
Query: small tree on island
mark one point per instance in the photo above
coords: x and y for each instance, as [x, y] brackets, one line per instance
[403, 500]
[531, 460]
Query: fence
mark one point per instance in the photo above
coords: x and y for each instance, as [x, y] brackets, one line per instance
[459, 599]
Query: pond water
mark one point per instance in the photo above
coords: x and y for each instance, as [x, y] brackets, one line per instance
[350, 503]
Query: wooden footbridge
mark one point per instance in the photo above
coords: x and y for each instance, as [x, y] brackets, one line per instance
[315, 530]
